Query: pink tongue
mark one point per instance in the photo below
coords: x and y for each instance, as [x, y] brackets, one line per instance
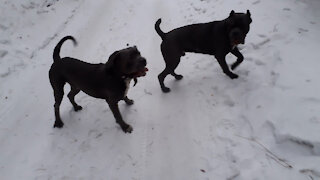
[143, 72]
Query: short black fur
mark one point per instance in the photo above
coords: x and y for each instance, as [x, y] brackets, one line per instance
[105, 81]
[216, 38]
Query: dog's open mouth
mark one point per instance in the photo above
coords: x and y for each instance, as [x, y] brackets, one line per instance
[140, 73]
[237, 42]
[234, 43]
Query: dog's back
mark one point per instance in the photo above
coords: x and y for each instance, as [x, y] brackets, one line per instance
[79, 74]
[216, 38]
[108, 81]
[197, 38]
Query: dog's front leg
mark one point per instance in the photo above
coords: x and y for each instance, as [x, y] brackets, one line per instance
[235, 51]
[116, 113]
[225, 68]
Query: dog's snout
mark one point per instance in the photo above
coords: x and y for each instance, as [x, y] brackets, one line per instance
[143, 61]
[236, 34]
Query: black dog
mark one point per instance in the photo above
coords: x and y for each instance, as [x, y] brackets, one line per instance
[216, 38]
[108, 81]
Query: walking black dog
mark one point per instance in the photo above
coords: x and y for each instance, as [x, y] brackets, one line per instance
[216, 38]
[108, 81]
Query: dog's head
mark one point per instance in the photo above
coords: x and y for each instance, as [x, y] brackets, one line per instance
[238, 25]
[127, 63]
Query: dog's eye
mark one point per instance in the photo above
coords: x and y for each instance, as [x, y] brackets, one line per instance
[134, 54]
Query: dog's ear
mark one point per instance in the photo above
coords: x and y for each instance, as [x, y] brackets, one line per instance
[231, 13]
[249, 16]
[230, 20]
[248, 13]
[112, 59]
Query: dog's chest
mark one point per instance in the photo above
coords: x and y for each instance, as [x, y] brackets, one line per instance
[127, 84]
[234, 46]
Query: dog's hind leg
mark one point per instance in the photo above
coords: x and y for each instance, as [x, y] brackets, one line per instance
[169, 70]
[172, 60]
[128, 101]
[58, 96]
[161, 78]
[74, 91]
[176, 76]
[171, 65]
[174, 65]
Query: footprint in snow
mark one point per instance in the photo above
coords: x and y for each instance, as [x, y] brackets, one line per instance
[244, 72]
[3, 53]
[259, 63]
[315, 119]
[4, 41]
[262, 43]
[256, 2]
[262, 35]
[302, 30]
[3, 27]
[310, 100]
[42, 11]
[229, 103]
[84, 147]
[274, 76]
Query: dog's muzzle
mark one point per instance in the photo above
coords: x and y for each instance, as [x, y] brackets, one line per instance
[142, 69]
[236, 37]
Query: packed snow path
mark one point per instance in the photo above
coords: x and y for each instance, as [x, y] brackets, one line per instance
[264, 125]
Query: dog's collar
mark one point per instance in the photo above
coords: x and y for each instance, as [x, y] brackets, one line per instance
[125, 77]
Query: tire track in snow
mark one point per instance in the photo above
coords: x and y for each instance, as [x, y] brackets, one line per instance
[60, 29]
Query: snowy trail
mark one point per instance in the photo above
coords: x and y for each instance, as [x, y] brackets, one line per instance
[208, 127]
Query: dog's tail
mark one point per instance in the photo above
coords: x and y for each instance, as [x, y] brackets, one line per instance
[159, 31]
[56, 52]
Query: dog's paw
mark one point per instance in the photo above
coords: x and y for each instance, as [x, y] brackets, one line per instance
[178, 77]
[127, 129]
[233, 66]
[165, 89]
[77, 108]
[58, 124]
[233, 76]
[129, 102]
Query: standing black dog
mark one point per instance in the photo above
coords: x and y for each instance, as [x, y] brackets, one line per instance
[216, 38]
[108, 81]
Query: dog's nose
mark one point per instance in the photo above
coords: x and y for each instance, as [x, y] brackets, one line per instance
[143, 61]
[243, 40]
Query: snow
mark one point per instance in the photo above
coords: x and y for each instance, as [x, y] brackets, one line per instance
[264, 125]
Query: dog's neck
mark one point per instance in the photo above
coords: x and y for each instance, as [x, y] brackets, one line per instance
[127, 82]
[126, 77]
[227, 31]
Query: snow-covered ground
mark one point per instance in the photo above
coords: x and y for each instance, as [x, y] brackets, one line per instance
[264, 125]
